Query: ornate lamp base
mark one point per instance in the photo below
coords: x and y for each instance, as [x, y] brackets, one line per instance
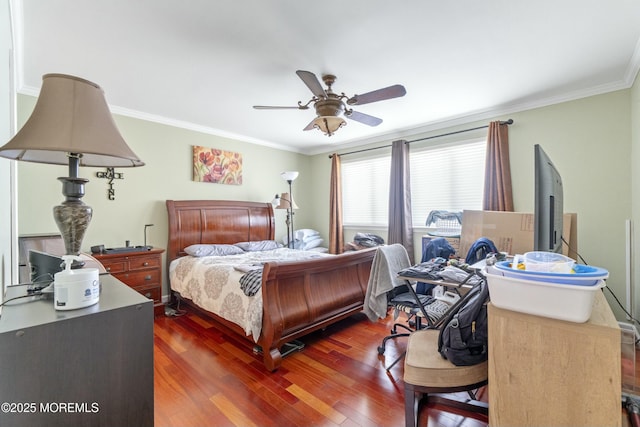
[73, 215]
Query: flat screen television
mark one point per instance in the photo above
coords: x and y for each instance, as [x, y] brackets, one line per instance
[548, 210]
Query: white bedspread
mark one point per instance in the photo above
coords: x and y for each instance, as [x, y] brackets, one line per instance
[213, 283]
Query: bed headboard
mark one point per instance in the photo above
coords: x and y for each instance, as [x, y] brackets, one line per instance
[216, 221]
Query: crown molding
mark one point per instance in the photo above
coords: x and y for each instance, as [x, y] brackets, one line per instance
[486, 114]
[447, 122]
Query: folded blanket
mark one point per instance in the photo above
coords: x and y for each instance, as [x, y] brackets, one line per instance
[387, 261]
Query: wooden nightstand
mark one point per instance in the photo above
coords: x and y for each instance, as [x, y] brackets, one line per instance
[142, 271]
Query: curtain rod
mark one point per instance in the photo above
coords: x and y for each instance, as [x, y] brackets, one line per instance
[507, 122]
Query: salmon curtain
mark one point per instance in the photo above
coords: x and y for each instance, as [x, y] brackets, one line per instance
[336, 233]
[498, 192]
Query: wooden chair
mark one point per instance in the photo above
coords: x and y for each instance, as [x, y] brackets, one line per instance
[427, 376]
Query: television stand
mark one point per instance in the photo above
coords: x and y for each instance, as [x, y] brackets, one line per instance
[545, 372]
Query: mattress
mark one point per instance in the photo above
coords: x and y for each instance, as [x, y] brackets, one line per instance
[213, 283]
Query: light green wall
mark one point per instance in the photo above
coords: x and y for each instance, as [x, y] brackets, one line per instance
[589, 141]
[140, 197]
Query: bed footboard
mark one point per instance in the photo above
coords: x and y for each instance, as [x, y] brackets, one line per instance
[301, 297]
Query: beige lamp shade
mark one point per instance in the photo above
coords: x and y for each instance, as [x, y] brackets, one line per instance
[70, 116]
[328, 124]
[286, 202]
[71, 124]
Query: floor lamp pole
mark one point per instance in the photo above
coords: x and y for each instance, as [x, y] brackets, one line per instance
[290, 228]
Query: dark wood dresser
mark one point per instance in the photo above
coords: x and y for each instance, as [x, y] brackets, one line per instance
[140, 270]
[91, 366]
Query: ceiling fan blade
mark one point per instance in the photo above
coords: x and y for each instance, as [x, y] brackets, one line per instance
[312, 83]
[363, 118]
[394, 91]
[273, 107]
[310, 125]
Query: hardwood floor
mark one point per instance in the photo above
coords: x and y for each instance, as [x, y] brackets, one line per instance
[206, 378]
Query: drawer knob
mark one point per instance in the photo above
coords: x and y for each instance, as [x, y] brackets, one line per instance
[145, 264]
[108, 269]
[148, 295]
[147, 277]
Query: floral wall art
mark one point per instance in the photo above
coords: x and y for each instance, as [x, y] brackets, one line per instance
[219, 166]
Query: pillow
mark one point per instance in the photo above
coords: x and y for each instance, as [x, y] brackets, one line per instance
[305, 234]
[260, 245]
[213, 250]
[312, 243]
[251, 282]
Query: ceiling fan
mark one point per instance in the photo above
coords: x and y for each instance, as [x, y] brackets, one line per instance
[330, 107]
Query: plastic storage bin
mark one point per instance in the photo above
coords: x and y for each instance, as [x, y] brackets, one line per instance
[557, 301]
[583, 275]
[547, 262]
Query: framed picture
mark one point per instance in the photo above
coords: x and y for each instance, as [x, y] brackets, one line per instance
[218, 166]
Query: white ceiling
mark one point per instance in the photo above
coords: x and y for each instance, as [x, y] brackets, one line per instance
[203, 64]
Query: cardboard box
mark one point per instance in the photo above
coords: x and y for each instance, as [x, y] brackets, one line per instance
[512, 232]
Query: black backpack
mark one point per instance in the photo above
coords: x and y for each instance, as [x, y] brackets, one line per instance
[463, 335]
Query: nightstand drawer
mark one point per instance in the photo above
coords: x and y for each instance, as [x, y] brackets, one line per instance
[114, 267]
[140, 278]
[153, 292]
[140, 263]
[142, 271]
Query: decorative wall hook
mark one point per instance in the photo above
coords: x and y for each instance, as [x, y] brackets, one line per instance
[110, 174]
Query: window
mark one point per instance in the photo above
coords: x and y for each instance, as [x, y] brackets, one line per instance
[365, 191]
[447, 177]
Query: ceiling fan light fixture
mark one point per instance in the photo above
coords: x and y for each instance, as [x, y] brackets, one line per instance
[328, 125]
[330, 106]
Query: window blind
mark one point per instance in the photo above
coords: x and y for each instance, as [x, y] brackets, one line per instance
[443, 177]
[365, 191]
[447, 178]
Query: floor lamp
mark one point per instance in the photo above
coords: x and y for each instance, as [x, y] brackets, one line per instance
[285, 201]
[71, 125]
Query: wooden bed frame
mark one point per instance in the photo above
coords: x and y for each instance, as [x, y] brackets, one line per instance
[298, 297]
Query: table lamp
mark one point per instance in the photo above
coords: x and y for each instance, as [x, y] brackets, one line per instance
[71, 124]
[285, 201]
